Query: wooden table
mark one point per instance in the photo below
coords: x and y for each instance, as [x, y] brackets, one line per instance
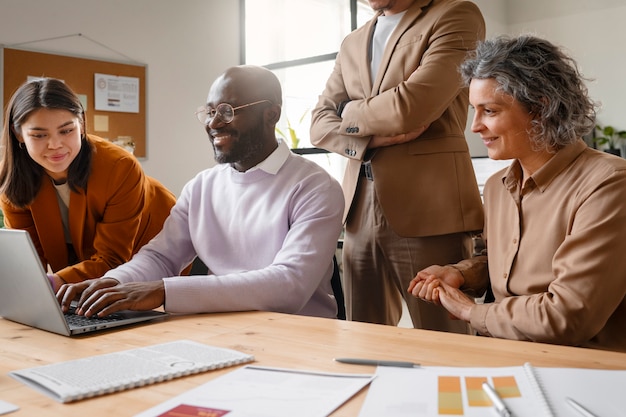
[274, 339]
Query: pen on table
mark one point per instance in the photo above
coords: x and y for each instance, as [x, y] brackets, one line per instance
[578, 407]
[498, 404]
[374, 362]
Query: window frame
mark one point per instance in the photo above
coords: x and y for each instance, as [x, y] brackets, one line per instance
[295, 62]
[334, 164]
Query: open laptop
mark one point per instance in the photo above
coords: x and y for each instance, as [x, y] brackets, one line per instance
[26, 295]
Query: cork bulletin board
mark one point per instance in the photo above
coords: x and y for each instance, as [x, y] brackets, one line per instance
[126, 122]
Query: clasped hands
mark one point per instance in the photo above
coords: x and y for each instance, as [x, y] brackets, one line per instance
[440, 285]
[103, 296]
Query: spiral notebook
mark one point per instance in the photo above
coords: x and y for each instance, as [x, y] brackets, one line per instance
[526, 390]
[103, 374]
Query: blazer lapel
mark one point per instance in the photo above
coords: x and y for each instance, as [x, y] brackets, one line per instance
[405, 23]
[365, 73]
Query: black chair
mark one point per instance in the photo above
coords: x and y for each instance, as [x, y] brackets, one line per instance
[198, 267]
[335, 282]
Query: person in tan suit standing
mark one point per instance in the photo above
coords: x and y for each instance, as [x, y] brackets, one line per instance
[396, 107]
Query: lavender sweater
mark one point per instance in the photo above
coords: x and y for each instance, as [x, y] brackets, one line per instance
[267, 235]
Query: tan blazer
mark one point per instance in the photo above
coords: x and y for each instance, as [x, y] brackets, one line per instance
[120, 211]
[426, 186]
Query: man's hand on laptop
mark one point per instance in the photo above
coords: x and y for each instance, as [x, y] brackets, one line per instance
[103, 296]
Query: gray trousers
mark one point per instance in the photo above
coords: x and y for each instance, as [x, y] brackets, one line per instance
[378, 266]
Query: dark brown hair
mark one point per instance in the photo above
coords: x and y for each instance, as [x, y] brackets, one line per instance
[20, 175]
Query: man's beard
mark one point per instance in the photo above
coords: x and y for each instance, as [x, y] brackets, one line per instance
[243, 148]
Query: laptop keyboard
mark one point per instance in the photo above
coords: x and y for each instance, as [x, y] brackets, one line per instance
[76, 320]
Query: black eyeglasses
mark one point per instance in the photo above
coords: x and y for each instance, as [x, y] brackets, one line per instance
[224, 111]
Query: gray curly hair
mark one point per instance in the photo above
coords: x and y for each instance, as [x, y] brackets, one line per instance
[543, 79]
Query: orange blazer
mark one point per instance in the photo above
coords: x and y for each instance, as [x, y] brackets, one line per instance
[427, 186]
[120, 211]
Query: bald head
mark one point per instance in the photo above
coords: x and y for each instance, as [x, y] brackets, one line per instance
[252, 83]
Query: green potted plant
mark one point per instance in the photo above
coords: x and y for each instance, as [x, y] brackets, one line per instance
[608, 135]
[291, 136]
[1, 219]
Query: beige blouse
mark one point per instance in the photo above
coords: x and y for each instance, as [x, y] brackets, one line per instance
[556, 252]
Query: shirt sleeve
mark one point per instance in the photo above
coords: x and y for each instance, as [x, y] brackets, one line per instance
[292, 282]
[168, 253]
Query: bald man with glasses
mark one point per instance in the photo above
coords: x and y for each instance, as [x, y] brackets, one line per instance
[264, 221]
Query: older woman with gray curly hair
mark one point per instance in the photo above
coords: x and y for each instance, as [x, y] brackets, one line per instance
[555, 219]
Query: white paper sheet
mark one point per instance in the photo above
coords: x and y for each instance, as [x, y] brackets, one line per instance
[404, 392]
[6, 407]
[254, 391]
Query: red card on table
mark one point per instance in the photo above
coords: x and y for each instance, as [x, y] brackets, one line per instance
[184, 410]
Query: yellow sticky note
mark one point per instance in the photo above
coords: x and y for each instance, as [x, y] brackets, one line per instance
[100, 123]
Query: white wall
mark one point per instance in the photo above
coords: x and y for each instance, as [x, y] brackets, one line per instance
[495, 15]
[185, 44]
[593, 34]
[590, 31]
